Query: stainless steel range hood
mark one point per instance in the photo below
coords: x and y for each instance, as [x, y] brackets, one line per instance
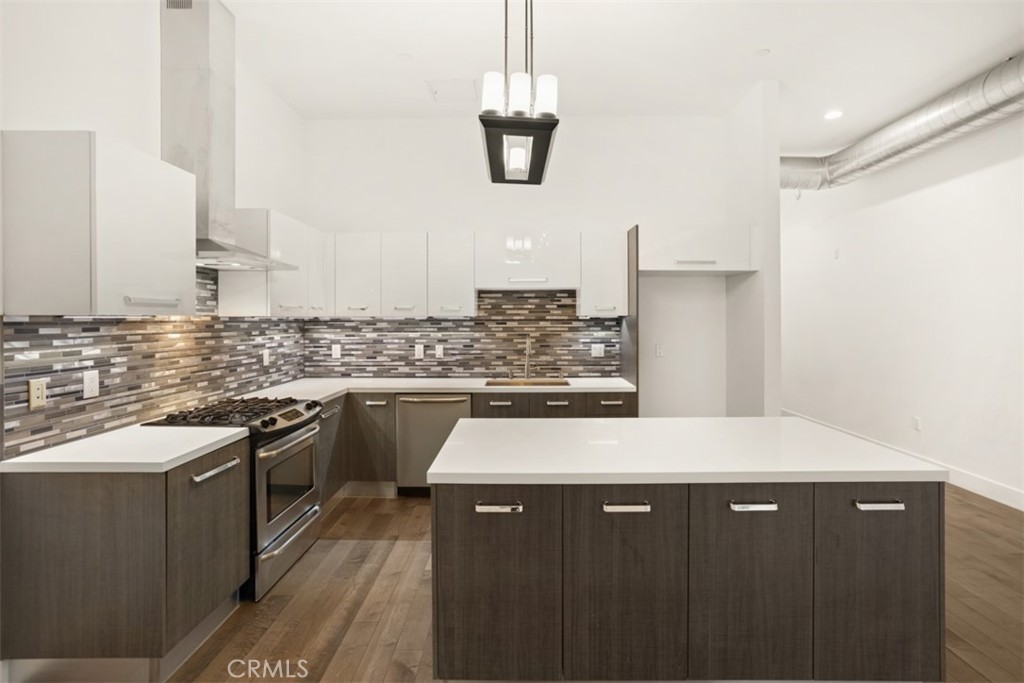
[197, 127]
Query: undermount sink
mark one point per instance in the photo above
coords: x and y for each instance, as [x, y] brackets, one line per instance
[534, 382]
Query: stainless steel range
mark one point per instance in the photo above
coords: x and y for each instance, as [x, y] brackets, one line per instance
[285, 489]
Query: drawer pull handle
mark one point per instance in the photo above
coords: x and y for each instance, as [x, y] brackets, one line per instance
[330, 413]
[696, 261]
[874, 507]
[624, 507]
[557, 404]
[485, 507]
[376, 404]
[200, 478]
[404, 307]
[451, 308]
[150, 301]
[604, 308]
[611, 403]
[527, 279]
[289, 307]
[770, 506]
[500, 404]
[361, 307]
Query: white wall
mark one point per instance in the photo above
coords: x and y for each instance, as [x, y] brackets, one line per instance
[269, 148]
[83, 65]
[922, 312]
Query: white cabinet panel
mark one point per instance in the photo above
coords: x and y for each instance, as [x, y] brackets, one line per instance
[528, 260]
[403, 274]
[93, 227]
[289, 289]
[321, 274]
[604, 275]
[723, 248]
[451, 288]
[357, 271]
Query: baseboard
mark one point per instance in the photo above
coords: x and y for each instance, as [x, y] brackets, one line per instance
[1001, 493]
[370, 489]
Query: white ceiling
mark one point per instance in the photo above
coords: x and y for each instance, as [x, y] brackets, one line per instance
[874, 60]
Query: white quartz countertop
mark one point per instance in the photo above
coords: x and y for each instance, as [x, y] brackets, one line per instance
[132, 449]
[327, 388]
[666, 450]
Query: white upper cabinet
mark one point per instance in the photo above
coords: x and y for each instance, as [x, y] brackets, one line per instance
[289, 289]
[451, 287]
[721, 248]
[321, 274]
[604, 275]
[528, 260]
[357, 271]
[94, 227]
[403, 274]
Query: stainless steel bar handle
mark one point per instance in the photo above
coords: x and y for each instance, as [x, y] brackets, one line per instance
[558, 403]
[330, 413]
[358, 307]
[770, 506]
[376, 404]
[896, 504]
[447, 399]
[611, 403]
[499, 404]
[486, 507]
[150, 301]
[645, 506]
[297, 437]
[451, 308]
[527, 279]
[604, 308]
[274, 553]
[200, 478]
[697, 261]
[317, 308]
[290, 306]
[404, 307]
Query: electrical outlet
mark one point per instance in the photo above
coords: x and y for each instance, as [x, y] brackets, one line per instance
[659, 350]
[335, 350]
[90, 384]
[915, 422]
[597, 350]
[37, 393]
[419, 351]
[439, 351]
[266, 357]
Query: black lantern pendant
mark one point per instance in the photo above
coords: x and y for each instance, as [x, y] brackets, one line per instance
[518, 123]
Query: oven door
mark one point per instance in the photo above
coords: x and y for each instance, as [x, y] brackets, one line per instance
[286, 483]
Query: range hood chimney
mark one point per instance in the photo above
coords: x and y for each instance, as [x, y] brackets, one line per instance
[197, 128]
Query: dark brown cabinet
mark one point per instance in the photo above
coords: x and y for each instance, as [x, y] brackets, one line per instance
[509, 405]
[751, 570]
[622, 404]
[878, 586]
[330, 450]
[369, 437]
[497, 582]
[625, 582]
[558, 404]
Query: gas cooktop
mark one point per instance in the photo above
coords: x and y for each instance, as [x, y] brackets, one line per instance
[260, 415]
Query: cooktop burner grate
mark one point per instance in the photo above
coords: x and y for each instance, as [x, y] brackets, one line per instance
[230, 412]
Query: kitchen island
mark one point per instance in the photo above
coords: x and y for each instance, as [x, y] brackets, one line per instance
[675, 548]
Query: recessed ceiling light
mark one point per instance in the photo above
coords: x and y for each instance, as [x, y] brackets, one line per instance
[833, 114]
[763, 52]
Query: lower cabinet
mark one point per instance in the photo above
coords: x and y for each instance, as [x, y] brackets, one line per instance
[625, 582]
[622, 404]
[751, 573]
[329, 449]
[878, 582]
[370, 446]
[497, 582]
[567, 404]
[501, 405]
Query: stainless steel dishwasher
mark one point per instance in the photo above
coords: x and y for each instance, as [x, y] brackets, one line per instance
[423, 423]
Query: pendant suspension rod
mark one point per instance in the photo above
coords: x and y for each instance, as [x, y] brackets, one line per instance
[532, 66]
[506, 47]
[526, 36]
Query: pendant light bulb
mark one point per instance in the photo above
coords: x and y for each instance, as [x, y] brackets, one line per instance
[546, 105]
[493, 94]
[519, 94]
[517, 161]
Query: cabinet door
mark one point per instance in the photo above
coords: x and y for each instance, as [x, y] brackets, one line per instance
[207, 535]
[528, 260]
[370, 437]
[878, 588]
[501, 405]
[328, 450]
[618, 404]
[451, 288]
[403, 279]
[357, 275]
[625, 582]
[604, 276]
[289, 289]
[321, 274]
[752, 569]
[565, 404]
[723, 248]
[497, 582]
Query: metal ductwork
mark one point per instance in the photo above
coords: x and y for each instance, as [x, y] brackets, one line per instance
[984, 99]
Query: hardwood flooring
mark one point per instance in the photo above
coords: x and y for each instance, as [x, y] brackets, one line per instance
[357, 606]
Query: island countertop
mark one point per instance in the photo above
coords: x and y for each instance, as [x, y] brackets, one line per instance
[666, 450]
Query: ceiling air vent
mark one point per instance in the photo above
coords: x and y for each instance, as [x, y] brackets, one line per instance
[179, 4]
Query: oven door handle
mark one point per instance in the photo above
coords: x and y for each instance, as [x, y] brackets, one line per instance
[298, 437]
[274, 553]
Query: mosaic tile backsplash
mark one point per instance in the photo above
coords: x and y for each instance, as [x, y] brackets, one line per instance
[488, 345]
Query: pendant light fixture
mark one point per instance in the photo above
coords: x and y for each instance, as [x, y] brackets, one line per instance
[518, 120]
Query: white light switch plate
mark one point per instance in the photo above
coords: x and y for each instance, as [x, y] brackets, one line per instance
[335, 350]
[597, 350]
[439, 351]
[90, 384]
[419, 351]
[266, 357]
[37, 393]
[659, 351]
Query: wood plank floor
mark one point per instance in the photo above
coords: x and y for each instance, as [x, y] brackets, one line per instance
[356, 607]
